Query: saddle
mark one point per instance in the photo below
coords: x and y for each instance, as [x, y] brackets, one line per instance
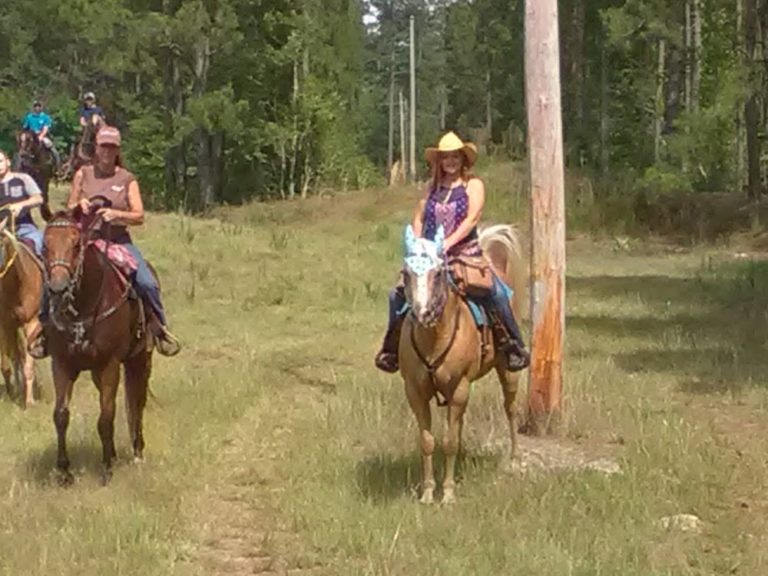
[472, 276]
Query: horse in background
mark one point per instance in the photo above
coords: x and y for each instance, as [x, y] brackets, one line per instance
[34, 159]
[442, 349]
[82, 152]
[21, 286]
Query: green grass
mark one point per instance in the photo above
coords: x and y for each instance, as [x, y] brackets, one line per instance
[274, 424]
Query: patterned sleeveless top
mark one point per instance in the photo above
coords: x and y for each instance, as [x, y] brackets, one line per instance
[449, 208]
[115, 189]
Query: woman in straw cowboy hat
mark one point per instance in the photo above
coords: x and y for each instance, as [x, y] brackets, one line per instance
[454, 199]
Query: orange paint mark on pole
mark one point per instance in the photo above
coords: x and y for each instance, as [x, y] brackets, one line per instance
[545, 150]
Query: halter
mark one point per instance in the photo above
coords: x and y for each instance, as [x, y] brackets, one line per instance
[79, 328]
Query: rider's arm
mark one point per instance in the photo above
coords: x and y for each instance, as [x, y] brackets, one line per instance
[26, 124]
[134, 216]
[74, 191]
[476, 193]
[418, 215]
[46, 126]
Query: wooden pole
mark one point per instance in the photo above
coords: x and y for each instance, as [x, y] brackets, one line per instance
[412, 102]
[545, 145]
[403, 164]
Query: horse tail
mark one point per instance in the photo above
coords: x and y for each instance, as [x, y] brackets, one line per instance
[503, 247]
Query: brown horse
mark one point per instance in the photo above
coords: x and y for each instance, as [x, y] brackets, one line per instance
[21, 285]
[442, 350]
[82, 152]
[37, 161]
[95, 325]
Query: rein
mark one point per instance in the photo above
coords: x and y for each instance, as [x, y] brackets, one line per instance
[79, 328]
[433, 366]
[14, 242]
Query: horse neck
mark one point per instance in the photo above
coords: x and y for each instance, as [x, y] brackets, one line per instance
[438, 336]
[96, 284]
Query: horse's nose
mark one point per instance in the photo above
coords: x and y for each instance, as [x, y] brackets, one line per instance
[57, 284]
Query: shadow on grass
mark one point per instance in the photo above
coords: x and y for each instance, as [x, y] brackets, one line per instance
[85, 462]
[720, 346]
[383, 479]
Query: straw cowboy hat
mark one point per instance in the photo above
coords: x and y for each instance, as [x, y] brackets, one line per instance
[450, 143]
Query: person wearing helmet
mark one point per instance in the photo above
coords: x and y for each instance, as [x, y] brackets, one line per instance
[89, 109]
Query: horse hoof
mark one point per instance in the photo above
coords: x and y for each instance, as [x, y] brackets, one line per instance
[138, 460]
[449, 498]
[66, 478]
[427, 498]
[106, 476]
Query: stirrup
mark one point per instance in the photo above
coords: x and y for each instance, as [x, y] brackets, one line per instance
[167, 344]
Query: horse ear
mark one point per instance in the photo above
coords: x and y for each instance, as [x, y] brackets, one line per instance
[410, 239]
[440, 238]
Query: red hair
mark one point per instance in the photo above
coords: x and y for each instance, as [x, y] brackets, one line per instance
[437, 169]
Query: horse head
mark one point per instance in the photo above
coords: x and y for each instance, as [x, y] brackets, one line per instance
[28, 144]
[426, 276]
[65, 240]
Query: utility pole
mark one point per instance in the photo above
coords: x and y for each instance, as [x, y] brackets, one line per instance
[413, 101]
[545, 152]
[403, 164]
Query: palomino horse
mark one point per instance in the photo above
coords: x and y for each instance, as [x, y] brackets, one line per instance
[37, 161]
[95, 325]
[442, 350]
[21, 285]
[83, 151]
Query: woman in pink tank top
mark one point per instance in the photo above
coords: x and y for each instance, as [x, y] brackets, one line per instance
[108, 178]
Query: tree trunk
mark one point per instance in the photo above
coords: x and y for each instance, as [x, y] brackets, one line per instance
[752, 109]
[740, 136]
[488, 107]
[545, 142]
[391, 124]
[696, 55]
[605, 95]
[688, 47]
[200, 84]
[659, 120]
[577, 58]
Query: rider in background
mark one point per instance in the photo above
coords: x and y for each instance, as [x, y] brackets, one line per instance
[89, 109]
[18, 195]
[40, 123]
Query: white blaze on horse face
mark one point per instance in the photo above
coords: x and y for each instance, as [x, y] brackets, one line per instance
[422, 257]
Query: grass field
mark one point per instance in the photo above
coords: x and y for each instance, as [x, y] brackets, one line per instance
[273, 446]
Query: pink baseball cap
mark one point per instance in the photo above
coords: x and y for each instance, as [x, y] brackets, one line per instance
[108, 135]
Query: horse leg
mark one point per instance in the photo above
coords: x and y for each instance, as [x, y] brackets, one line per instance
[137, 372]
[107, 379]
[29, 364]
[5, 368]
[509, 383]
[63, 381]
[420, 406]
[45, 209]
[452, 438]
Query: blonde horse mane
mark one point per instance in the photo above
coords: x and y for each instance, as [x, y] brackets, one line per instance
[503, 247]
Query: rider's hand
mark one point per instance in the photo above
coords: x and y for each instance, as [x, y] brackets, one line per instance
[85, 205]
[108, 214]
[14, 210]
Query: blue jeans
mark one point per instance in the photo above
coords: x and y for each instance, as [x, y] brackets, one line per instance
[31, 232]
[146, 284]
